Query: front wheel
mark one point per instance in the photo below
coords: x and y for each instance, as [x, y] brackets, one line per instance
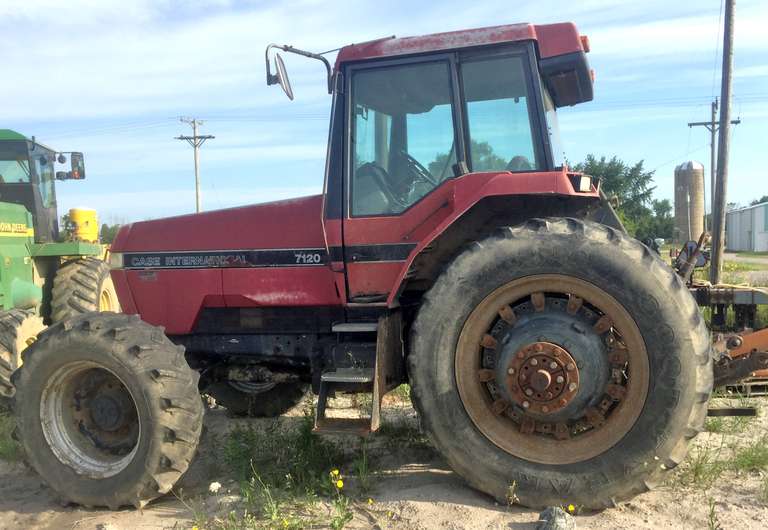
[562, 360]
[108, 410]
[257, 400]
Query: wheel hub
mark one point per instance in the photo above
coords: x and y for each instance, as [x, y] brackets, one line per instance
[108, 410]
[542, 378]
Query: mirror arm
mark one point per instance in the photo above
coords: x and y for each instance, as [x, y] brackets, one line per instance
[272, 79]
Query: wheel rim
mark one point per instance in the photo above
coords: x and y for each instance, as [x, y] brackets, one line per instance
[106, 302]
[552, 369]
[251, 388]
[90, 419]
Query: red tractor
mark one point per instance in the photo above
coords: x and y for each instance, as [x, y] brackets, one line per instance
[451, 248]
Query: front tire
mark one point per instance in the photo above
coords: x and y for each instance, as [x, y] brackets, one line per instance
[108, 410]
[82, 286]
[18, 329]
[624, 347]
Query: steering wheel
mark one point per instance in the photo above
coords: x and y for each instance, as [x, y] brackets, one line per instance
[382, 180]
[418, 168]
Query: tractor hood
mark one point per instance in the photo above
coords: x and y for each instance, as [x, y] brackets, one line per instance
[288, 224]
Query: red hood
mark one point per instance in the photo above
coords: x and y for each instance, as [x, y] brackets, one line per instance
[293, 223]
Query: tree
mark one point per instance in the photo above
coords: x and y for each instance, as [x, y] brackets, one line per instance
[761, 200]
[108, 232]
[483, 159]
[642, 215]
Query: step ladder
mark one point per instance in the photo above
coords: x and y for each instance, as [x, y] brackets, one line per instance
[357, 380]
[385, 375]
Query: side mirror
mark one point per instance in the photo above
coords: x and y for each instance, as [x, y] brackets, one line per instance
[281, 76]
[78, 166]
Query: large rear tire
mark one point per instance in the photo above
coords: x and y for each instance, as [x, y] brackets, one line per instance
[108, 411]
[18, 329]
[257, 400]
[561, 360]
[82, 286]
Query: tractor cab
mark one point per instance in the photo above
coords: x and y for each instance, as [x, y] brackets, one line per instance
[411, 113]
[27, 177]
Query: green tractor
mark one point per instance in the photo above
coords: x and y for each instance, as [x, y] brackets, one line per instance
[45, 277]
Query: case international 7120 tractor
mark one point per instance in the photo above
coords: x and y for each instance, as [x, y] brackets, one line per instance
[451, 249]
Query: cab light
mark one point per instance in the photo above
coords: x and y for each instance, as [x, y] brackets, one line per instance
[115, 260]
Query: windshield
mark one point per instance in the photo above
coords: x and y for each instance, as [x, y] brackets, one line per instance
[14, 162]
[498, 114]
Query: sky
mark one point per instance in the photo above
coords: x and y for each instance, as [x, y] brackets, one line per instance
[111, 78]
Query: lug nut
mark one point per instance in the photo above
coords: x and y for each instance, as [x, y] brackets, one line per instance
[560, 379]
[544, 408]
[571, 367]
[528, 392]
[511, 371]
[534, 362]
[553, 365]
[526, 404]
[563, 402]
[538, 347]
[572, 387]
[549, 395]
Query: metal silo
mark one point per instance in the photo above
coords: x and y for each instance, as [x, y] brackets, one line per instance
[689, 201]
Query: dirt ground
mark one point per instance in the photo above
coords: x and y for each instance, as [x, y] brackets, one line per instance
[414, 489]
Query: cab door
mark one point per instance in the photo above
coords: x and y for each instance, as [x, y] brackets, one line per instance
[414, 126]
[403, 148]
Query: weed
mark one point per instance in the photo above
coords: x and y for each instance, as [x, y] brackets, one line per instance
[9, 449]
[703, 466]
[512, 498]
[764, 490]
[283, 457]
[713, 523]
[341, 512]
[720, 425]
[403, 393]
[752, 457]
[362, 468]
[399, 434]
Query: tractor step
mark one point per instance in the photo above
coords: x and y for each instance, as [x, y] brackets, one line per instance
[353, 380]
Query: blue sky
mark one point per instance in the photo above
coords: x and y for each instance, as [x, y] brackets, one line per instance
[111, 77]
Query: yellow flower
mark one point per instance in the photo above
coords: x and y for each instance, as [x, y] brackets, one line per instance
[335, 473]
[194, 528]
[571, 508]
[339, 483]
[370, 501]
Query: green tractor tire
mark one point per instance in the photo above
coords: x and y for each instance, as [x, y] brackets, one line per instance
[81, 286]
[18, 329]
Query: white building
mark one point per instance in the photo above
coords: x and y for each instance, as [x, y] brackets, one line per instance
[747, 228]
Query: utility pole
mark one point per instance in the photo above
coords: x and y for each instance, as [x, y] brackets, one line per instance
[718, 215]
[195, 141]
[712, 126]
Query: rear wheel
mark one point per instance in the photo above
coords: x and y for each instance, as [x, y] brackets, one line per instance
[107, 409]
[562, 359]
[81, 286]
[258, 400]
[18, 329]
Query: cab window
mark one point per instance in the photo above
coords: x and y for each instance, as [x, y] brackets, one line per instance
[14, 163]
[44, 169]
[403, 141]
[498, 115]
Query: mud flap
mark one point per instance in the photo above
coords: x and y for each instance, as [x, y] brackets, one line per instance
[390, 362]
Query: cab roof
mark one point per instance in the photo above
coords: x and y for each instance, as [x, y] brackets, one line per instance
[552, 40]
[8, 134]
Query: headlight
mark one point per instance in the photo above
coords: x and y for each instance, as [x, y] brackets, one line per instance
[115, 260]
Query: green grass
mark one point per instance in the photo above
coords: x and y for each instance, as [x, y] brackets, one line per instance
[9, 449]
[751, 457]
[289, 479]
[748, 254]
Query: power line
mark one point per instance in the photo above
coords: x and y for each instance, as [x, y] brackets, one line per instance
[195, 141]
